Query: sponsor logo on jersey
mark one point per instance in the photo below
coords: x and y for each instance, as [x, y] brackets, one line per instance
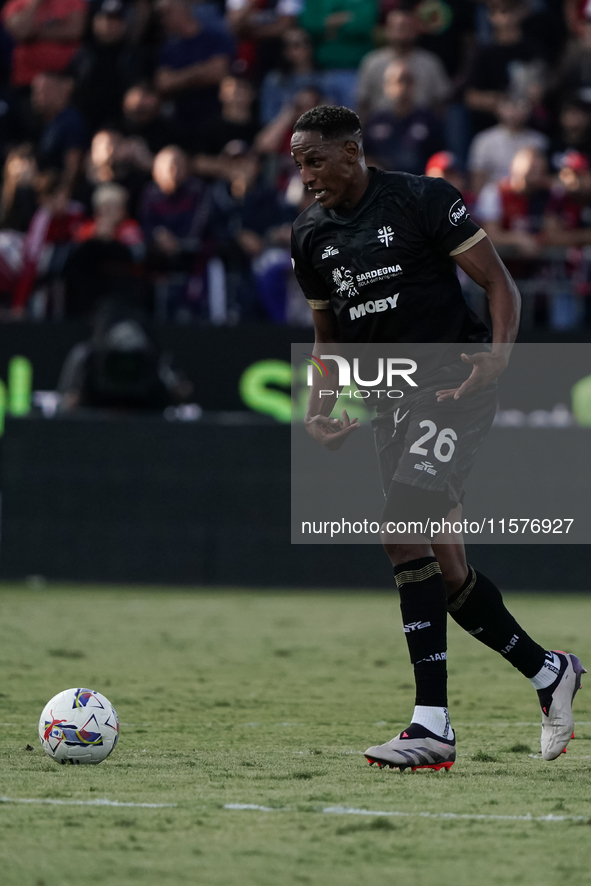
[372, 276]
[416, 626]
[374, 307]
[344, 282]
[330, 250]
[426, 466]
[458, 213]
[386, 235]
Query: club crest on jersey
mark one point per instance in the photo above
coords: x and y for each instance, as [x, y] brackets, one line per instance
[386, 235]
[345, 284]
[330, 250]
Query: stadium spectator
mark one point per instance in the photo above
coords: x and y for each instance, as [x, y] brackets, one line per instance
[575, 15]
[236, 120]
[493, 149]
[297, 71]
[403, 136]
[232, 132]
[257, 228]
[259, 26]
[142, 119]
[342, 33]
[61, 134]
[509, 64]
[544, 24]
[175, 207]
[193, 61]
[6, 47]
[18, 201]
[47, 240]
[106, 66]
[275, 137]
[110, 220]
[432, 85]
[572, 133]
[112, 158]
[175, 214]
[567, 220]
[447, 30]
[573, 76]
[12, 131]
[101, 268]
[512, 211]
[446, 165]
[46, 33]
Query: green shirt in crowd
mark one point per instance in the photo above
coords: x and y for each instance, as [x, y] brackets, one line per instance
[343, 46]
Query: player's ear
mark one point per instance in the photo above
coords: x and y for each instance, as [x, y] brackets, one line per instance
[352, 151]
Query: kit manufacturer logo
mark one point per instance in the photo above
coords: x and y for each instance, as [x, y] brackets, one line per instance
[386, 235]
[425, 466]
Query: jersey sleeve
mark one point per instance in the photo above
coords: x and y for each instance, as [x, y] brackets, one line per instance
[312, 284]
[445, 219]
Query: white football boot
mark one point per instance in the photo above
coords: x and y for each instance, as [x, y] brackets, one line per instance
[557, 706]
[414, 748]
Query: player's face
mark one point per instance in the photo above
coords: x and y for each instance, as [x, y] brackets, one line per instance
[328, 169]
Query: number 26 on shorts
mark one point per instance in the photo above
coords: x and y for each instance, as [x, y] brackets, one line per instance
[444, 445]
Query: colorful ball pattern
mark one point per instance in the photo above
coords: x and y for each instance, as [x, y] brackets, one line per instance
[78, 726]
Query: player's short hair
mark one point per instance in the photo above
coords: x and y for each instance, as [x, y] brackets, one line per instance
[333, 123]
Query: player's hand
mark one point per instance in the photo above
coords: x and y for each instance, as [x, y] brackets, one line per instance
[486, 367]
[331, 432]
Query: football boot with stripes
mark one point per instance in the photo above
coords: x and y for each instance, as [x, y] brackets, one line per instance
[414, 748]
[557, 706]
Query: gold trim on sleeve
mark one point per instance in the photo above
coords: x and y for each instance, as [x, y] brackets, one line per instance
[319, 304]
[469, 243]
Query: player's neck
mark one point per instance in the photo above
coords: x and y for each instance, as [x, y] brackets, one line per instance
[358, 188]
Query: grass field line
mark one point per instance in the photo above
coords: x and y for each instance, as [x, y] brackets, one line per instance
[351, 810]
[502, 724]
[97, 802]
[462, 723]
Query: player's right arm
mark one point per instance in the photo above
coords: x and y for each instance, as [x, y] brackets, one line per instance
[329, 432]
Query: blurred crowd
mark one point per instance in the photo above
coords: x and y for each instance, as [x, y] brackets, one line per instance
[145, 143]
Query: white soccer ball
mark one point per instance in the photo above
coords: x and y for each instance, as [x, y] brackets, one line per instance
[78, 726]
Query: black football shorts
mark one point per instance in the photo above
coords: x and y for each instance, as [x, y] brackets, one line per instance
[433, 445]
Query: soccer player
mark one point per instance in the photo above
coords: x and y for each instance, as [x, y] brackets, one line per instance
[361, 220]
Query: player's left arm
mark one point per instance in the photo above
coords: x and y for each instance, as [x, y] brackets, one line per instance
[482, 264]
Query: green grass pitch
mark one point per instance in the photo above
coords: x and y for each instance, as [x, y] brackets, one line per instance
[269, 699]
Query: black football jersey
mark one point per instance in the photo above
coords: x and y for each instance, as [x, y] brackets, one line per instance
[385, 267]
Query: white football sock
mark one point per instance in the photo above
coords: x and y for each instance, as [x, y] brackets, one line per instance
[548, 672]
[434, 719]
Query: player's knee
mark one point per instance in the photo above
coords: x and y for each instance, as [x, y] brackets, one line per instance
[452, 559]
[454, 576]
[404, 553]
